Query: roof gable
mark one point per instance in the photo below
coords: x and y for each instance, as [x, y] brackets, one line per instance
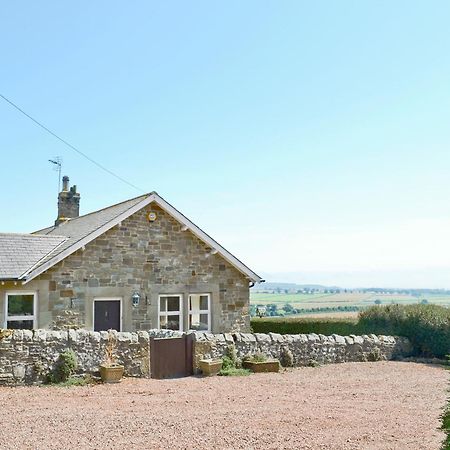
[78, 228]
[84, 229]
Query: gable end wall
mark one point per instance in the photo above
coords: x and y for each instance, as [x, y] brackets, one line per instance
[151, 258]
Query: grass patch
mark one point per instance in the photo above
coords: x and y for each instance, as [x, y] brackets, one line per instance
[446, 428]
[75, 381]
[446, 418]
[234, 372]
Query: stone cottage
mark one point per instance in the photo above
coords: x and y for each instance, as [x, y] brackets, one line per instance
[136, 265]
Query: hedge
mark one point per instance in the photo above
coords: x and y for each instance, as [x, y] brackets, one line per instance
[426, 326]
[304, 325]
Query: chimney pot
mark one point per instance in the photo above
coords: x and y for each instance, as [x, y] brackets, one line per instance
[68, 202]
[65, 186]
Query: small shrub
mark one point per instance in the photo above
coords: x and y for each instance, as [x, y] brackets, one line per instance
[259, 357]
[286, 357]
[77, 381]
[256, 357]
[231, 364]
[65, 367]
[313, 363]
[227, 363]
[374, 355]
[231, 354]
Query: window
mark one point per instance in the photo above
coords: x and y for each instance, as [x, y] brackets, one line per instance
[20, 310]
[170, 312]
[199, 312]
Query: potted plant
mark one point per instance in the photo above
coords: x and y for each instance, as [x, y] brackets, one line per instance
[110, 370]
[260, 363]
[210, 367]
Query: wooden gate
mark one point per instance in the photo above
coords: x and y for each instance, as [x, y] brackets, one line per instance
[171, 357]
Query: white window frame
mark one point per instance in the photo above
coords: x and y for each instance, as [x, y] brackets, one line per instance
[107, 299]
[18, 318]
[200, 311]
[170, 313]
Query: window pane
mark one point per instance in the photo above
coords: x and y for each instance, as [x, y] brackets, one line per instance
[20, 305]
[204, 321]
[173, 322]
[173, 303]
[204, 302]
[194, 302]
[20, 324]
[198, 322]
[198, 302]
[162, 303]
[169, 323]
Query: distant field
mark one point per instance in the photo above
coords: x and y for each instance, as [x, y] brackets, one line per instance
[330, 315]
[360, 300]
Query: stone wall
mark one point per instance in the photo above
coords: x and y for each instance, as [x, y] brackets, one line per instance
[151, 258]
[306, 349]
[28, 356]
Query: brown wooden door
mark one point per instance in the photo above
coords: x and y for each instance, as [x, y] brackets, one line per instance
[106, 315]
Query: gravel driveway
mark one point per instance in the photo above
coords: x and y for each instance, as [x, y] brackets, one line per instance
[384, 405]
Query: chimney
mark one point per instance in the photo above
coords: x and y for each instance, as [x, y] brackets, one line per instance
[68, 202]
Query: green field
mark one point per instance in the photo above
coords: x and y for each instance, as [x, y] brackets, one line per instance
[353, 299]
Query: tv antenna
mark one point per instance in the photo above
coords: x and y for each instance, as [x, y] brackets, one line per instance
[57, 165]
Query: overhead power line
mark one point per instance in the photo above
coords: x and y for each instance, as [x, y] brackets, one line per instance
[68, 144]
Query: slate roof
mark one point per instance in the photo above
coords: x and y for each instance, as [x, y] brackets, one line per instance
[21, 252]
[35, 253]
[79, 227]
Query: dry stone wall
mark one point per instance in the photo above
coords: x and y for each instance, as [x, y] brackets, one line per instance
[305, 349]
[28, 356]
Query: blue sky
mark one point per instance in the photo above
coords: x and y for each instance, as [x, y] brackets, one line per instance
[309, 138]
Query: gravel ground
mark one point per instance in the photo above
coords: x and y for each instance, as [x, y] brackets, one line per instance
[384, 405]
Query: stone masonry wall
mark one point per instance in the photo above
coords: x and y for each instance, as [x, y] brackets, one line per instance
[28, 356]
[306, 349]
[151, 258]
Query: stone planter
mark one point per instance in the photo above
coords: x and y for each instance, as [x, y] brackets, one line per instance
[111, 373]
[271, 365]
[210, 367]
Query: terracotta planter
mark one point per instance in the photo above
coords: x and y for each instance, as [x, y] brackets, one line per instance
[111, 373]
[271, 365]
[210, 367]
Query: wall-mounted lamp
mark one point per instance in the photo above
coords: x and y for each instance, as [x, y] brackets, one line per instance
[135, 299]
